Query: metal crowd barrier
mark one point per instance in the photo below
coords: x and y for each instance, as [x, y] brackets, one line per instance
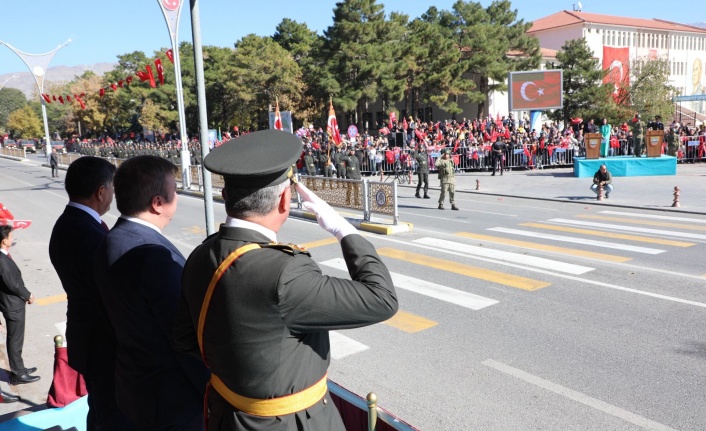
[19, 153]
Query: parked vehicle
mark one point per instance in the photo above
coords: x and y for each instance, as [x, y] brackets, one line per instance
[58, 146]
[9, 143]
[28, 145]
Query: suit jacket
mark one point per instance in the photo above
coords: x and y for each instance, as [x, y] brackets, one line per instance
[13, 293]
[266, 332]
[53, 160]
[72, 248]
[138, 272]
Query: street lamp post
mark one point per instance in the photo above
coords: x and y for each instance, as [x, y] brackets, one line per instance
[3, 84]
[171, 9]
[38, 65]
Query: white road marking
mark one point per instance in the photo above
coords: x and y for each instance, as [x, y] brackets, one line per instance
[659, 217]
[554, 274]
[524, 259]
[689, 235]
[593, 242]
[416, 214]
[342, 346]
[578, 397]
[432, 290]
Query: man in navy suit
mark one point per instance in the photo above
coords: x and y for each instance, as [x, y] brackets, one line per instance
[13, 297]
[138, 273]
[74, 240]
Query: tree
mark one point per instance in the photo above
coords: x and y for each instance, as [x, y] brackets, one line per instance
[11, 99]
[585, 94]
[493, 42]
[649, 92]
[150, 117]
[434, 68]
[91, 118]
[360, 48]
[304, 45]
[259, 71]
[24, 123]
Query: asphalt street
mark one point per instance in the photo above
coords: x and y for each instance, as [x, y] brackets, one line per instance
[534, 307]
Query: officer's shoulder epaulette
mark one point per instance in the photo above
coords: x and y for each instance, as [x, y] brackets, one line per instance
[291, 249]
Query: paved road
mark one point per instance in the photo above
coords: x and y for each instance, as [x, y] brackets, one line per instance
[516, 313]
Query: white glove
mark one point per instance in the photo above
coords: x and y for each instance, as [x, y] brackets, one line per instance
[326, 216]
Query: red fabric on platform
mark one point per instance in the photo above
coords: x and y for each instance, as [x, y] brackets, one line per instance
[67, 385]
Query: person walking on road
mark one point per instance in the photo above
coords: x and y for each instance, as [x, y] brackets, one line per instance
[14, 296]
[422, 159]
[54, 163]
[447, 177]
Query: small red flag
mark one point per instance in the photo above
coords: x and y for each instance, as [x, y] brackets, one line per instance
[80, 102]
[160, 71]
[120, 83]
[54, 97]
[150, 75]
[128, 80]
[101, 92]
[61, 99]
[170, 56]
[68, 98]
[46, 98]
[114, 86]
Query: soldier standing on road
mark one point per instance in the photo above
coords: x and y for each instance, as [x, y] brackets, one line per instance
[422, 159]
[353, 173]
[638, 130]
[447, 177]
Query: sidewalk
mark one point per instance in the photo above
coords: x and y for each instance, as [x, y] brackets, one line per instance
[654, 192]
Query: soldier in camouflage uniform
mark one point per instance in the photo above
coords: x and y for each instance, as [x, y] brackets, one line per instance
[638, 130]
[447, 176]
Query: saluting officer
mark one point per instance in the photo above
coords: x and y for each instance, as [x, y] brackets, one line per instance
[258, 310]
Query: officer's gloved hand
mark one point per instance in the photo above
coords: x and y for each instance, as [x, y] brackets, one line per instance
[327, 217]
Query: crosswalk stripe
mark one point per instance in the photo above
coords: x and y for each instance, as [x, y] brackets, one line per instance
[545, 247]
[645, 222]
[432, 290]
[610, 234]
[408, 322]
[319, 243]
[463, 269]
[626, 228]
[594, 243]
[342, 346]
[51, 299]
[654, 216]
[523, 259]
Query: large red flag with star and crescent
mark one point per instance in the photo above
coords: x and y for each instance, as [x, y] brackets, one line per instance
[535, 90]
[617, 62]
[278, 117]
[332, 126]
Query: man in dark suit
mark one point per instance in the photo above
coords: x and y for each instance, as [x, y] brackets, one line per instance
[138, 273]
[13, 298]
[74, 240]
[264, 329]
[54, 163]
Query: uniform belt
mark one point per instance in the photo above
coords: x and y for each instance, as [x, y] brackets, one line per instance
[274, 406]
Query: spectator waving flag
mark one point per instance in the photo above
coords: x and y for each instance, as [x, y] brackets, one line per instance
[332, 125]
[278, 117]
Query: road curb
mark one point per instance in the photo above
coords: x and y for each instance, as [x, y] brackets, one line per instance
[372, 227]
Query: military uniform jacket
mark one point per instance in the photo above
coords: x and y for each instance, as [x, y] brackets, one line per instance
[266, 332]
[638, 128]
[310, 165]
[422, 162]
[352, 168]
[446, 171]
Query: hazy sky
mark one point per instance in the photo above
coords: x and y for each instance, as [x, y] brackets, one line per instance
[101, 29]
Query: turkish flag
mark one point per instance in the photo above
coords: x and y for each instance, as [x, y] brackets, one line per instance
[61, 99]
[332, 126]
[170, 55]
[46, 98]
[617, 62]
[405, 126]
[536, 90]
[393, 120]
[101, 92]
[278, 118]
[160, 71]
[150, 75]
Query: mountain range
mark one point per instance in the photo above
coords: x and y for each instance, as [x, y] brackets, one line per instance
[24, 81]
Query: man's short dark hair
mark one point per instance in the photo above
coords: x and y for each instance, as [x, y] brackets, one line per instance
[5, 231]
[86, 175]
[138, 180]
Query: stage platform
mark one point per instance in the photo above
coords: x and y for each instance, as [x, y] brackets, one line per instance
[626, 166]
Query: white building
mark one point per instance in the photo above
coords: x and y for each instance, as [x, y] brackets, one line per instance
[683, 45]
